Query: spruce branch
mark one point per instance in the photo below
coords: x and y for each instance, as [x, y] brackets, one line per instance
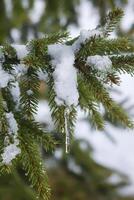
[124, 63]
[37, 133]
[111, 20]
[88, 103]
[34, 167]
[77, 73]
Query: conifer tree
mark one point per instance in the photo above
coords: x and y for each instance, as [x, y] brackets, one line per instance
[78, 72]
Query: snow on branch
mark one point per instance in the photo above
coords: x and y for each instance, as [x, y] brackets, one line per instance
[76, 73]
[99, 62]
[65, 74]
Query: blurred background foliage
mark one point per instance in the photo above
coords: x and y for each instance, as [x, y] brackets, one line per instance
[20, 17]
[77, 176]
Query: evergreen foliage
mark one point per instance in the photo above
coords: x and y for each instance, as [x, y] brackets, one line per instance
[21, 72]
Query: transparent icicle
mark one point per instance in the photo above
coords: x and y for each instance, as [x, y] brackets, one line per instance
[67, 134]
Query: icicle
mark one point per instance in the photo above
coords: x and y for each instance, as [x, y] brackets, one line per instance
[67, 139]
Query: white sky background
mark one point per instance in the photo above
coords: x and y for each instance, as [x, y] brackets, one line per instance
[119, 156]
